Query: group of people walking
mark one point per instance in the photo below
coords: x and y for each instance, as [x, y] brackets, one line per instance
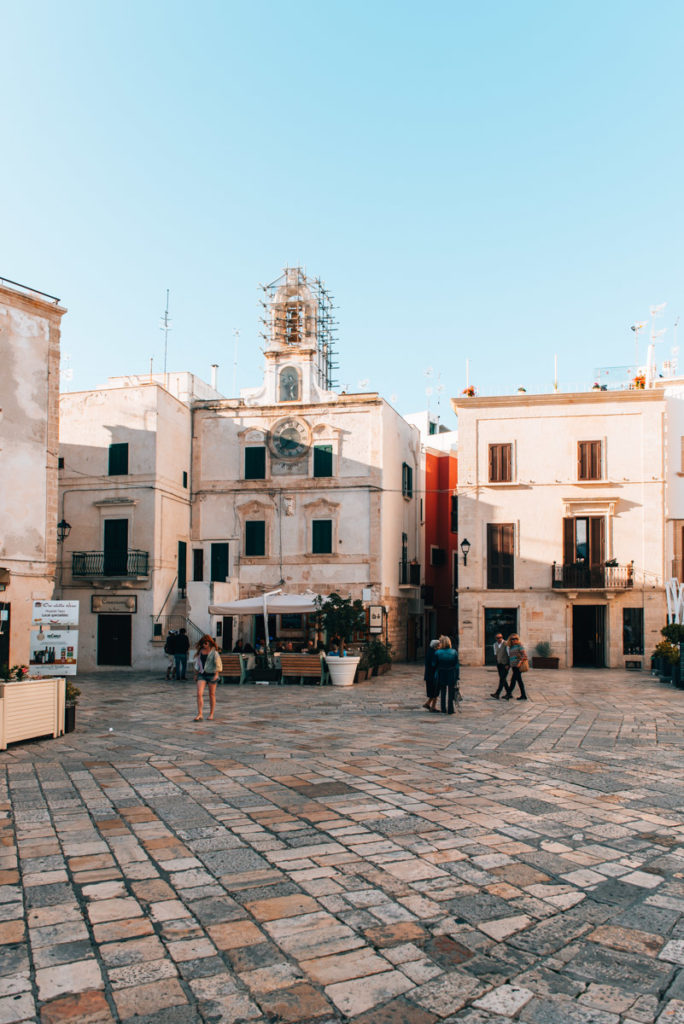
[442, 673]
[442, 676]
[509, 654]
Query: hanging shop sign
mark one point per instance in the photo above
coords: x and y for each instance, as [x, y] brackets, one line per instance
[375, 618]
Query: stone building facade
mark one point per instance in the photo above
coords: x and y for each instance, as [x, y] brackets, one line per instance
[300, 487]
[125, 490]
[562, 498]
[30, 325]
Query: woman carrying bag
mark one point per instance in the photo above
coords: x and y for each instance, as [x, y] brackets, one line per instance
[519, 664]
[208, 666]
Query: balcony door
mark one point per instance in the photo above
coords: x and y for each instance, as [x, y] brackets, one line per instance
[584, 550]
[115, 547]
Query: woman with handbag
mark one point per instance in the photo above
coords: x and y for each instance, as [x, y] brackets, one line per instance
[208, 666]
[519, 663]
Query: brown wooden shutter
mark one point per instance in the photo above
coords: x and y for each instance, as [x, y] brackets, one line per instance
[568, 541]
[597, 530]
[506, 473]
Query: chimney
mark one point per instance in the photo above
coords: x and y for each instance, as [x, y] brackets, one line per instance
[214, 375]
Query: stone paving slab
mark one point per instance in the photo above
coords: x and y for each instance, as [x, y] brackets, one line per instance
[340, 855]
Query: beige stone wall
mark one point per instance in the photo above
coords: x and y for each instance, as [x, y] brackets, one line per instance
[29, 438]
[150, 497]
[544, 431]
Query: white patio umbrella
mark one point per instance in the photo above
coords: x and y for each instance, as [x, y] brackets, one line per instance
[274, 602]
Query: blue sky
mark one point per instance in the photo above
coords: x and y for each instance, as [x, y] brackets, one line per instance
[494, 182]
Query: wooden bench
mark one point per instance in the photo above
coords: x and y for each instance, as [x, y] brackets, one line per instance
[303, 666]
[234, 667]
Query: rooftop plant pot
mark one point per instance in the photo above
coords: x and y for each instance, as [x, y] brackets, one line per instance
[550, 662]
[342, 670]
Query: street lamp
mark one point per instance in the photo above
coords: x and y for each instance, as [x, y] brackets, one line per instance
[465, 548]
[63, 530]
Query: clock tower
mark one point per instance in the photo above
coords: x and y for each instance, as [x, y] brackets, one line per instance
[299, 329]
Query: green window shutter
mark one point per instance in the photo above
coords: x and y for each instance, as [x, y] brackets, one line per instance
[255, 463]
[118, 459]
[323, 460]
[255, 538]
[321, 536]
[219, 563]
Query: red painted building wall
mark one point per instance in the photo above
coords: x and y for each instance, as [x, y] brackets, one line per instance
[441, 545]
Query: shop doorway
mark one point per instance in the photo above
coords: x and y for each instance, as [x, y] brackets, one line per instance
[114, 639]
[4, 633]
[588, 635]
[497, 620]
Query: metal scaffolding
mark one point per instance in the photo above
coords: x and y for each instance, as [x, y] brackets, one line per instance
[299, 310]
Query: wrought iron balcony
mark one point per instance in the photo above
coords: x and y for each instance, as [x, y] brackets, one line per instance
[409, 574]
[579, 576]
[119, 564]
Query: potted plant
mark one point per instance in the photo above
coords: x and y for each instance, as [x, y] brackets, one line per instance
[669, 652]
[340, 617]
[470, 391]
[379, 656]
[363, 670]
[14, 674]
[71, 695]
[542, 658]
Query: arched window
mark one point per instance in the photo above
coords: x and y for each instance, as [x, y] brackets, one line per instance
[289, 385]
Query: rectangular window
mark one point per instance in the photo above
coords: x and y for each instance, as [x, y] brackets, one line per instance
[219, 563]
[589, 460]
[255, 463]
[437, 556]
[118, 459]
[321, 536]
[500, 463]
[406, 480]
[198, 564]
[255, 538]
[60, 462]
[182, 565]
[453, 526]
[500, 556]
[632, 630]
[185, 478]
[323, 460]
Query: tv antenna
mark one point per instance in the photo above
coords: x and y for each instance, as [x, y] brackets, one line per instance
[638, 326]
[236, 332]
[654, 337]
[165, 326]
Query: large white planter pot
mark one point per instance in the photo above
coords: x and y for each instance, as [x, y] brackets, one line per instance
[342, 670]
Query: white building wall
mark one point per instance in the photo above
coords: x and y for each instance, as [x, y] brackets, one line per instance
[544, 432]
[29, 424]
[151, 497]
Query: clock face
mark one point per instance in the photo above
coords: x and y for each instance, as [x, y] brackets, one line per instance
[289, 439]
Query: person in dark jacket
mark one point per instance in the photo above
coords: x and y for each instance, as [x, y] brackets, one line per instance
[180, 655]
[516, 653]
[447, 674]
[430, 676]
[500, 648]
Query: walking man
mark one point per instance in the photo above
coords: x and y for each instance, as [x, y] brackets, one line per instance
[502, 664]
[180, 655]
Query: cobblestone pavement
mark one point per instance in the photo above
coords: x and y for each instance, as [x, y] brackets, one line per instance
[326, 855]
